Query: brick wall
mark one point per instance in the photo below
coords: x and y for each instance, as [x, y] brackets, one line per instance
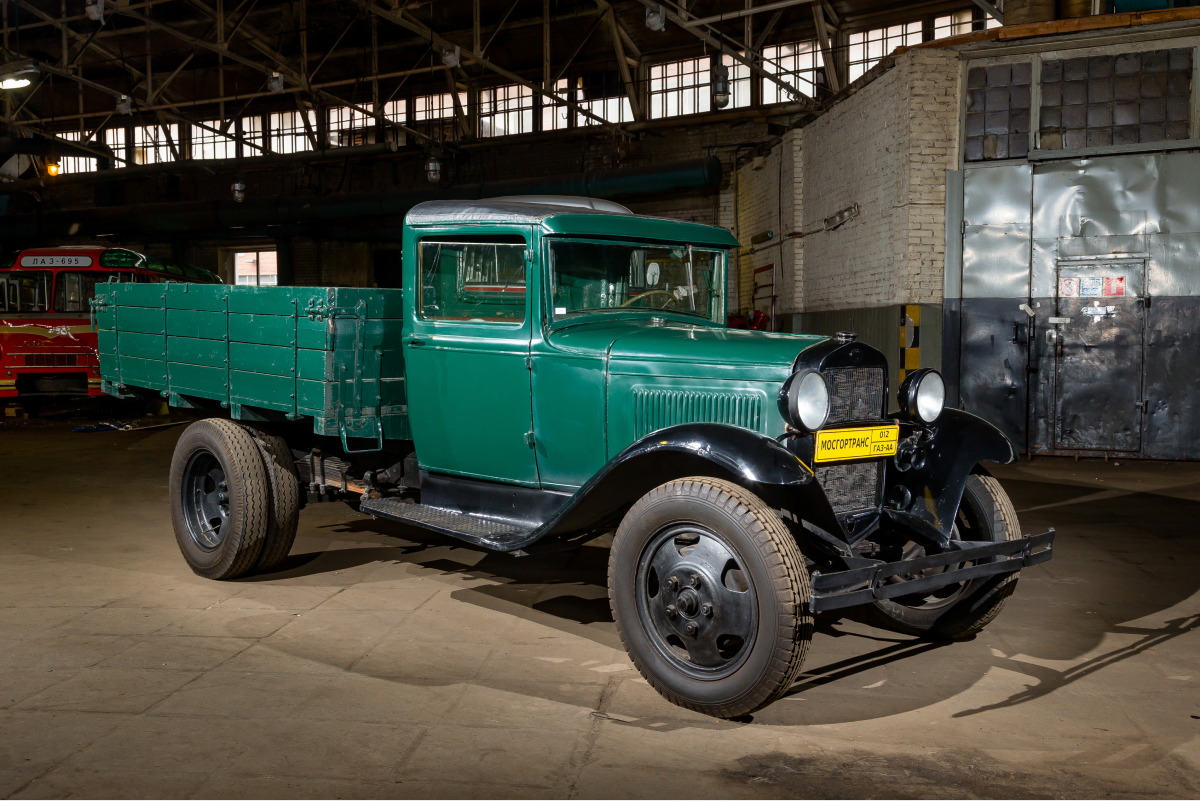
[887, 148]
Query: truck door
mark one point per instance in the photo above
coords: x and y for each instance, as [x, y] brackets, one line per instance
[1098, 354]
[466, 358]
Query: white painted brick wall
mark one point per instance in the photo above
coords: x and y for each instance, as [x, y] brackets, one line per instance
[886, 148]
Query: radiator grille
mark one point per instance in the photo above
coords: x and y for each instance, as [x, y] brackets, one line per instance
[851, 487]
[50, 360]
[856, 393]
[659, 408]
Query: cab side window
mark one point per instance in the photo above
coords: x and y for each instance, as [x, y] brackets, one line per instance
[480, 282]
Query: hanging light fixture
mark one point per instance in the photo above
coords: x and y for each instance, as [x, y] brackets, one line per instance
[275, 83]
[52, 167]
[239, 188]
[125, 105]
[17, 74]
[433, 165]
[451, 56]
[720, 83]
[94, 10]
[656, 17]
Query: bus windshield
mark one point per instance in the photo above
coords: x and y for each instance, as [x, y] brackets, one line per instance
[25, 291]
[588, 277]
[74, 290]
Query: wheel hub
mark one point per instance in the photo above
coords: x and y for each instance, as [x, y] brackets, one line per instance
[205, 500]
[696, 602]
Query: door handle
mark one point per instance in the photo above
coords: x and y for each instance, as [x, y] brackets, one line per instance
[416, 343]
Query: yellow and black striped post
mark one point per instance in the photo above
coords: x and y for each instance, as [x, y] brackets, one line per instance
[910, 338]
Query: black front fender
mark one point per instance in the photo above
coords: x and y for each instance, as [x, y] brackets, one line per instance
[926, 497]
[744, 457]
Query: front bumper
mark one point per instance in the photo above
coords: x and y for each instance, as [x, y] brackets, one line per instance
[864, 585]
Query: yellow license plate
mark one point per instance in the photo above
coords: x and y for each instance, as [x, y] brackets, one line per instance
[866, 442]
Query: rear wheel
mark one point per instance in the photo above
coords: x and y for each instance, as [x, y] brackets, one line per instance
[220, 500]
[958, 610]
[284, 483]
[710, 596]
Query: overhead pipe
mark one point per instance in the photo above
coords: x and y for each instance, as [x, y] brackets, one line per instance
[227, 215]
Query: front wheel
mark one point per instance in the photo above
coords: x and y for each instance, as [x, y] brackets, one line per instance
[959, 610]
[710, 596]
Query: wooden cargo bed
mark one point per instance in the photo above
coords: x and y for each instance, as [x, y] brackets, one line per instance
[332, 354]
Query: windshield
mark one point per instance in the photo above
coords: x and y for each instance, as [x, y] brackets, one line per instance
[25, 291]
[74, 291]
[590, 277]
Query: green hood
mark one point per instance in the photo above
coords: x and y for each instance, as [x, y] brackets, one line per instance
[682, 351]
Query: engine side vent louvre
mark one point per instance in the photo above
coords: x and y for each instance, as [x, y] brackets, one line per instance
[659, 408]
[855, 393]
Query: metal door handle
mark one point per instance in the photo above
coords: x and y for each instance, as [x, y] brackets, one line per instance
[416, 343]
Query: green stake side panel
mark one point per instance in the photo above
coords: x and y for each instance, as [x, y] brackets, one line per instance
[333, 354]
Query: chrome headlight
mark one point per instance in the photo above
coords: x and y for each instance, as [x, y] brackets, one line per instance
[922, 395]
[804, 400]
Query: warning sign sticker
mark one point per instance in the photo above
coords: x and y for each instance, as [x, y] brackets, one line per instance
[1068, 288]
[1114, 286]
[1091, 287]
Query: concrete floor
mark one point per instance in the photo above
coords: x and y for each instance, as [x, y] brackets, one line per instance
[381, 662]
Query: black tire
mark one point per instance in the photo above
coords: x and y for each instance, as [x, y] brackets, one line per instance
[718, 515]
[220, 499]
[283, 481]
[985, 514]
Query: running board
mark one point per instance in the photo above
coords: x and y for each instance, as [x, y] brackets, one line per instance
[493, 535]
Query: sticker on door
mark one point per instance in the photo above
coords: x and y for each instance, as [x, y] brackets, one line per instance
[1068, 287]
[1114, 286]
[1091, 287]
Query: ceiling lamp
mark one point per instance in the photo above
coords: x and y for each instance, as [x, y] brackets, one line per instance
[94, 10]
[656, 17]
[52, 168]
[125, 105]
[451, 57]
[275, 83]
[17, 74]
[433, 166]
[720, 84]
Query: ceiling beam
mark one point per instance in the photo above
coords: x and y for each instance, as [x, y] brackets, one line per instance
[750, 59]
[991, 10]
[745, 12]
[631, 89]
[478, 58]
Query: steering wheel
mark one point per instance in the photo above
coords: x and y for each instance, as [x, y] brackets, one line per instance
[666, 292]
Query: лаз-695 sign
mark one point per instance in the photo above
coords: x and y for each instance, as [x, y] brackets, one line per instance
[866, 442]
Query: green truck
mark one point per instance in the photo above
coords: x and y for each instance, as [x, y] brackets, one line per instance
[558, 369]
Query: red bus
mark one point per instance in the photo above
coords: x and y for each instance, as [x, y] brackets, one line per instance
[47, 346]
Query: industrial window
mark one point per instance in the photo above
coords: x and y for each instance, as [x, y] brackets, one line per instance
[152, 143]
[603, 94]
[115, 139]
[350, 127]
[75, 164]
[436, 107]
[208, 144]
[396, 111]
[955, 23]
[288, 132]
[998, 112]
[255, 268]
[555, 116]
[868, 48]
[505, 110]
[798, 63]
[251, 131]
[434, 115]
[1123, 99]
[680, 87]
